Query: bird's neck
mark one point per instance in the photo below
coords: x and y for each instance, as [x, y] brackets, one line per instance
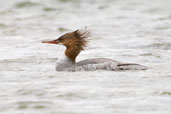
[68, 60]
[72, 53]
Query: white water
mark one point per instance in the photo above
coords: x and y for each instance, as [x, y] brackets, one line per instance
[126, 30]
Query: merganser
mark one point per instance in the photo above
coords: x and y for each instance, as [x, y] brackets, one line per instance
[75, 42]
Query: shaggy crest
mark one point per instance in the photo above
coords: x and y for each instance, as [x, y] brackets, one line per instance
[77, 39]
[83, 38]
[75, 42]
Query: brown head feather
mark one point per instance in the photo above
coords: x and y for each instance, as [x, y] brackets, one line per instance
[75, 42]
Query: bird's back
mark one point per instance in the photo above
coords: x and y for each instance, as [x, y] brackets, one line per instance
[106, 64]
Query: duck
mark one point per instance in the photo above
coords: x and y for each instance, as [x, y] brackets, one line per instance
[75, 42]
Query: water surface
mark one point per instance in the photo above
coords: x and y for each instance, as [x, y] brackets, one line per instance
[124, 30]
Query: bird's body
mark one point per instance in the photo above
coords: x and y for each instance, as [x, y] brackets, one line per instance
[75, 43]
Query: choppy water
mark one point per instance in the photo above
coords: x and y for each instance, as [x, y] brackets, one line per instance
[126, 30]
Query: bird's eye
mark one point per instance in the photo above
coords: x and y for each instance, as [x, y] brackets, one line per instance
[60, 39]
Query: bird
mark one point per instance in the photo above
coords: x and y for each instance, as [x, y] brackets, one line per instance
[75, 42]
